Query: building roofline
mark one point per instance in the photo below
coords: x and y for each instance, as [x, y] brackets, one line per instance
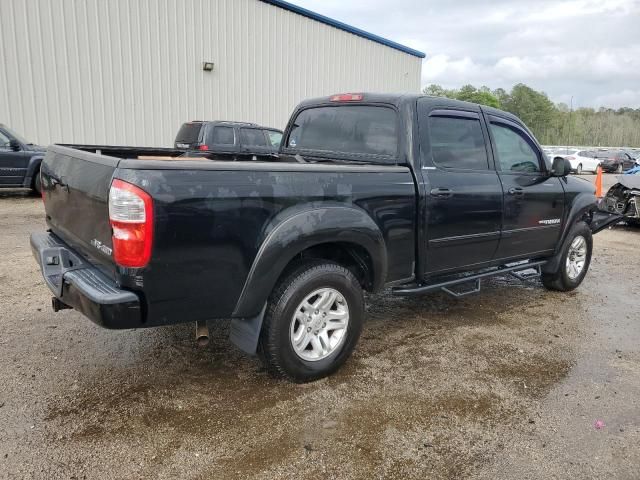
[343, 26]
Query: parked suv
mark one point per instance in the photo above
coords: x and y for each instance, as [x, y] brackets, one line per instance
[19, 161]
[235, 140]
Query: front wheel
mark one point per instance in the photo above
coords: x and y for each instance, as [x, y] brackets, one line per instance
[619, 169]
[575, 258]
[313, 321]
[579, 169]
[37, 184]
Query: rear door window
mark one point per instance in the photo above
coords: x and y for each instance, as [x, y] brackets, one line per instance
[253, 137]
[457, 142]
[220, 136]
[351, 131]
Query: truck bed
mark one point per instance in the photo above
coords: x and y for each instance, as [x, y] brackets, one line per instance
[212, 218]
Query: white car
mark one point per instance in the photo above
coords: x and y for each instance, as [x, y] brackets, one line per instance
[581, 160]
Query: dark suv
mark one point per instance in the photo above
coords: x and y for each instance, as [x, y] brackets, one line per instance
[233, 139]
[19, 161]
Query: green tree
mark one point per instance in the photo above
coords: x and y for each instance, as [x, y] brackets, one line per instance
[436, 91]
[468, 93]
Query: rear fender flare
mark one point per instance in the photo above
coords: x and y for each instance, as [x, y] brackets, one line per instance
[300, 228]
[32, 168]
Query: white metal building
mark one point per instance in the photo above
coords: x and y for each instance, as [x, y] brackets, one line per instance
[129, 72]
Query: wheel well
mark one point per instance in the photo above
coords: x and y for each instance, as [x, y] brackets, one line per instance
[349, 255]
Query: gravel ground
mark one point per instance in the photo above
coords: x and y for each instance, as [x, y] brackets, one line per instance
[507, 384]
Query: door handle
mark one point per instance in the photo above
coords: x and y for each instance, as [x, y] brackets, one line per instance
[441, 192]
[517, 191]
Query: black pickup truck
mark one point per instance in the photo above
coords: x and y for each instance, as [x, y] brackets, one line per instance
[410, 192]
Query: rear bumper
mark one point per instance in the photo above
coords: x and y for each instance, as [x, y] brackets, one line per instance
[80, 285]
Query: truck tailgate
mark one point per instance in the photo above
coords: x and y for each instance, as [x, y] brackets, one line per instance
[75, 190]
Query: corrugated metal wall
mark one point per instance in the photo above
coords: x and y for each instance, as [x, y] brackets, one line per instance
[129, 72]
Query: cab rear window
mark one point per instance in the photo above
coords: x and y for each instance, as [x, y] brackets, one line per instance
[356, 131]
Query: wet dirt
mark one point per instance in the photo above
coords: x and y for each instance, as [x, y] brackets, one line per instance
[503, 384]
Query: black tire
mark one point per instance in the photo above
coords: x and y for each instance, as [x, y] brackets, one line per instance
[633, 222]
[579, 170]
[619, 168]
[560, 279]
[275, 346]
[37, 185]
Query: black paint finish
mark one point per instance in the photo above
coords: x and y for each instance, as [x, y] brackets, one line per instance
[224, 231]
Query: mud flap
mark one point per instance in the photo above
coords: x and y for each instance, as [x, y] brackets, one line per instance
[602, 220]
[245, 332]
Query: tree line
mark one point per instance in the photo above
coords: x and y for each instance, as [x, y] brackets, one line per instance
[555, 124]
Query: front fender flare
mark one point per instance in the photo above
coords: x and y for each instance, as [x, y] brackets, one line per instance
[300, 228]
[583, 204]
[32, 168]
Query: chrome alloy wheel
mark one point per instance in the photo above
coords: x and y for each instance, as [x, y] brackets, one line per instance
[576, 257]
[319, 325]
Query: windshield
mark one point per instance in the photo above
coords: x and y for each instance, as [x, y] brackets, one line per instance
[16, 136]
[274, 137]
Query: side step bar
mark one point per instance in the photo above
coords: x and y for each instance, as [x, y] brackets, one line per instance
[513, 270]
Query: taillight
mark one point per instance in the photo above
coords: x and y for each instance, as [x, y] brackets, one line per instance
[203, 147]
[131, 217]
[570, 158]
[346, 97]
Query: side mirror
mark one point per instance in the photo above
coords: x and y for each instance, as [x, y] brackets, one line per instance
[15, 145]
[561, 167]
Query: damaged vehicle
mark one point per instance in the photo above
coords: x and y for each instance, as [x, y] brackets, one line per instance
[624, 197]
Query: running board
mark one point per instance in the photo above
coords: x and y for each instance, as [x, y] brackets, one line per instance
[513, 270]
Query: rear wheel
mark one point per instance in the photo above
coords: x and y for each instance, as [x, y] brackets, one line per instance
[313, 321]
[619, 168]
[579, 169]
[575, 258]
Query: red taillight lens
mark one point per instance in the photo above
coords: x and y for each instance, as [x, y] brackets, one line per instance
[203, 147]
[570, 158]
[346, 97]
[131, 217]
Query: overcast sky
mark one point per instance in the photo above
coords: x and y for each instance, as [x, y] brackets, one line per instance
[582, 48]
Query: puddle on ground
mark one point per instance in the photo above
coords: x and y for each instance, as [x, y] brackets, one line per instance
[430, 375]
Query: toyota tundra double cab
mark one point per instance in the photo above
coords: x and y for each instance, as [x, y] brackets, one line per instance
[367, 192]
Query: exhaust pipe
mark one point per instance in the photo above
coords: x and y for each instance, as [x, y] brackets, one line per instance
[202, 333]
[58, 305]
